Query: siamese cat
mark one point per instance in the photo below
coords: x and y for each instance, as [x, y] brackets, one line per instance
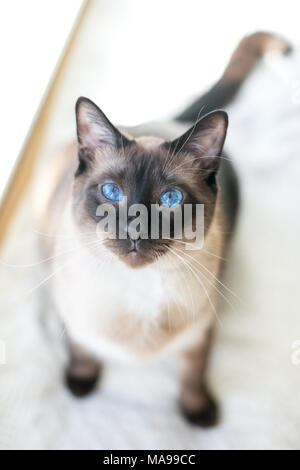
[134, 297]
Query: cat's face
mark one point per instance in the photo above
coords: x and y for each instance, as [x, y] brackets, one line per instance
[115, 173]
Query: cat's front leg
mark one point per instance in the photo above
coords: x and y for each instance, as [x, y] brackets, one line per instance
[82, 372]
[196, 401]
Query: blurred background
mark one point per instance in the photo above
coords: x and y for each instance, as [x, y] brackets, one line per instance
[142, 61]
[138, 60]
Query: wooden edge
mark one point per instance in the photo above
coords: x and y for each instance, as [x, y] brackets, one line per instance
[22, 174]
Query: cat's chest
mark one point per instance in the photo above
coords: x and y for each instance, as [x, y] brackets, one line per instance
[138, 291]
[127, 314]
[115, 312]
[94, 296]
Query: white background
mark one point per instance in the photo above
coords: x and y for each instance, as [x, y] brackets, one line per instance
[32, 36]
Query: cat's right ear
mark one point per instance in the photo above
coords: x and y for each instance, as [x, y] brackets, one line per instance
[94, 130]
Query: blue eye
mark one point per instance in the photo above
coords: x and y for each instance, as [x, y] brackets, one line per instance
[112, 192]
[171, 197]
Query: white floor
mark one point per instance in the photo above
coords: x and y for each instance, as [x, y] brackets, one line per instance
[254, 370]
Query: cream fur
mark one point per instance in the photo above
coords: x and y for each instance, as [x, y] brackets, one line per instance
[106, 305]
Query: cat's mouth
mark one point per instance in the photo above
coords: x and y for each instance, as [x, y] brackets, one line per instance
[135, 254]
[136, 257]
[134, 246]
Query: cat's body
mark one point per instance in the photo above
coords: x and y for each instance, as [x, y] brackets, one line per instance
[131, 300]
[130, 314]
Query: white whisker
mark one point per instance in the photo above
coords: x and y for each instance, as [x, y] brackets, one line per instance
[200, 280]
[206, 269]
[214, 286]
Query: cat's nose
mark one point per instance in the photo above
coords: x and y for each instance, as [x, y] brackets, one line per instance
[134, 238]
[132, 233]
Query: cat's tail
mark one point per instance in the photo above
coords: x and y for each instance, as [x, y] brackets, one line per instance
[247, 54]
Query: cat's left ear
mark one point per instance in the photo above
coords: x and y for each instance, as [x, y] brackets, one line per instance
[204, 140]
[93, 127]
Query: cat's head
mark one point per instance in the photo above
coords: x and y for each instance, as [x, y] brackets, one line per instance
[116, 172]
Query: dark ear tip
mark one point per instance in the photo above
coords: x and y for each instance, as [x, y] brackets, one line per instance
[83, 99]
[80, 100]
[222, 114]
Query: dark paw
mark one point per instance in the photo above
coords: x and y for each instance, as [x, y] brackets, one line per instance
[80, 387]
[205, 417]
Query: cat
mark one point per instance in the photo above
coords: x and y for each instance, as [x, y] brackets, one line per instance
[135, 297]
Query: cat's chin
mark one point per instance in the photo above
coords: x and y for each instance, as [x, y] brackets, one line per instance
[135, 260]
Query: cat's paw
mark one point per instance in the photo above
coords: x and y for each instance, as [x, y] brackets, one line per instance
[82, 372]
[80, 387]
[201, 411]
